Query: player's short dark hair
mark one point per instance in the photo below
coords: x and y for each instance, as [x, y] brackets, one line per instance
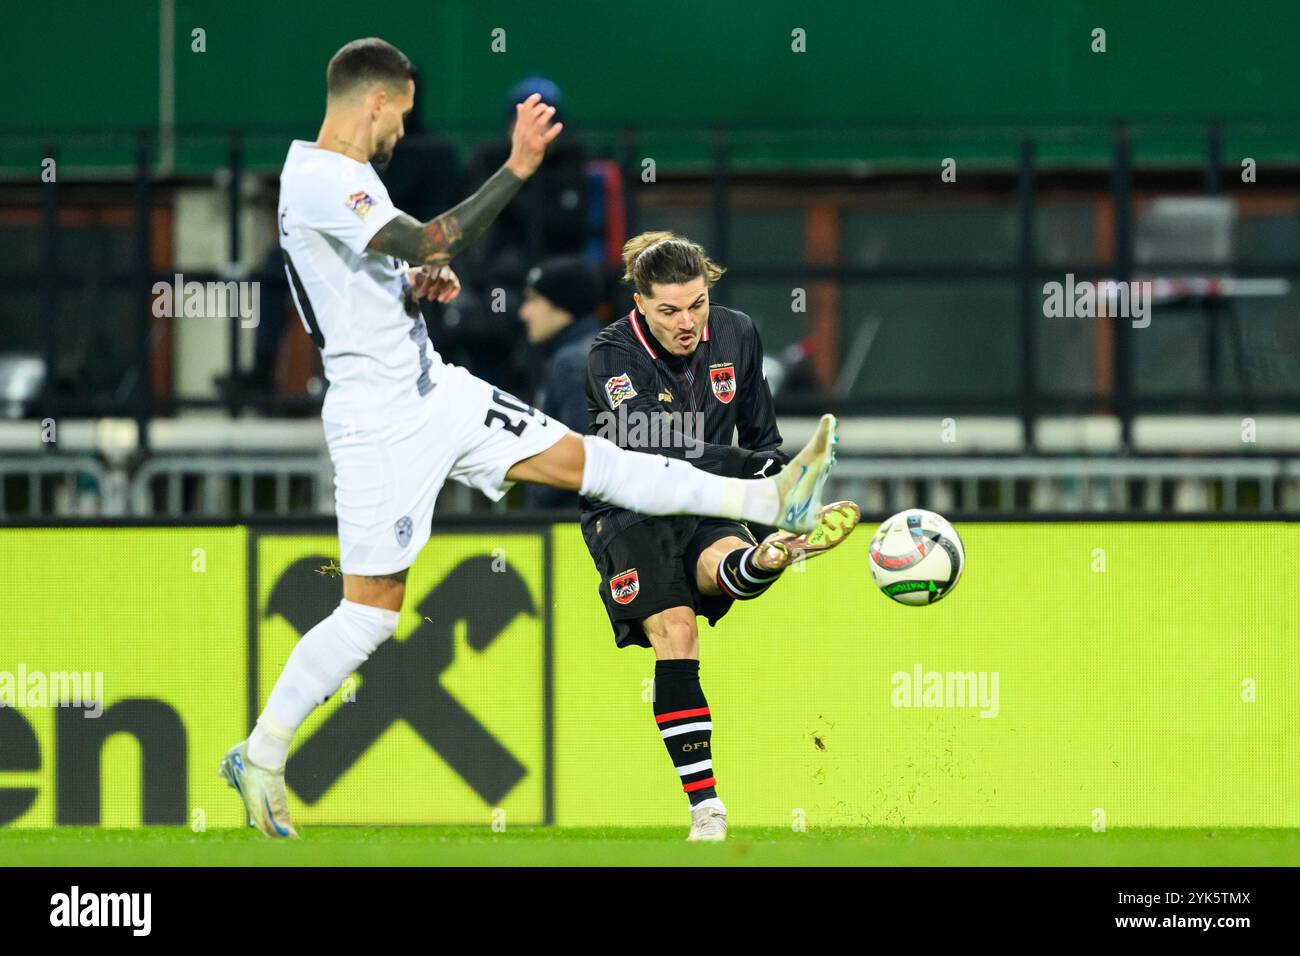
[366, 62]
[667, 259]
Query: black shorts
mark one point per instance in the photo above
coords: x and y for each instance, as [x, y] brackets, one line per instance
[650, 566]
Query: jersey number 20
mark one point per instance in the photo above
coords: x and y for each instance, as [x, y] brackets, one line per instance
[506, 400]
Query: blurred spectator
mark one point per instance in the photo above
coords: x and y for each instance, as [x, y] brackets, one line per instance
[547, 218]
[258, 383]
[560, 297]
[425, 177]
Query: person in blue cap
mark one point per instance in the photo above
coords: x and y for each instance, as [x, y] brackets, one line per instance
[547, 219]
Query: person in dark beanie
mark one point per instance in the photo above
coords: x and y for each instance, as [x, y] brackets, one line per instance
[560, 297]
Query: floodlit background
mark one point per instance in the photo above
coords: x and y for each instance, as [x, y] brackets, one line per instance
[890, 203]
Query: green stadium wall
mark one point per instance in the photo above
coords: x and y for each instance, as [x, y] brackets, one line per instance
[949, 67]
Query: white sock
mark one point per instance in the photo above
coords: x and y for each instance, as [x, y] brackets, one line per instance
[658, 485]
[713, 803]
[320, 662]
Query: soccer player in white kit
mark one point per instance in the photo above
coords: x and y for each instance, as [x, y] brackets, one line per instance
[399, 421]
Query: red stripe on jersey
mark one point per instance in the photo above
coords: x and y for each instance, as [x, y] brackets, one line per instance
[637, 329]
[700, 784]
[679, 714]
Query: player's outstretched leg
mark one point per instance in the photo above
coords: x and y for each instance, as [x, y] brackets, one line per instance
[791, 499]
[743, 571]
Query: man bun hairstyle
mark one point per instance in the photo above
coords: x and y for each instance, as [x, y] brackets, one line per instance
[363, 63]
[666, 259]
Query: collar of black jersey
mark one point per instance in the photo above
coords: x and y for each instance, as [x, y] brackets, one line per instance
[648, 342]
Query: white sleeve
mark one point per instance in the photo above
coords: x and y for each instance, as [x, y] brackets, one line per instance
[345, 205]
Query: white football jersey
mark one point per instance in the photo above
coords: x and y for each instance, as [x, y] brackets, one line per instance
[354, 302]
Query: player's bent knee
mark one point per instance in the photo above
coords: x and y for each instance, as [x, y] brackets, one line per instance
[685, 641]
[673, 633]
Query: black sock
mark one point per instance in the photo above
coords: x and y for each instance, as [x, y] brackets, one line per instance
[680, 704]
[740, 578]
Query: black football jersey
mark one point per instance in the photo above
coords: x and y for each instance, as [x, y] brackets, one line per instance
[713, 407]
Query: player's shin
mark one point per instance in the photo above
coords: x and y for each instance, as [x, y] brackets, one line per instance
[740, 576]
[682, 714]
[320, 662]
[656, 485]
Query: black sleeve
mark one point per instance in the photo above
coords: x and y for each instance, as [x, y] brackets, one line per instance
[624, 416]
[756, 422]
[565, 398]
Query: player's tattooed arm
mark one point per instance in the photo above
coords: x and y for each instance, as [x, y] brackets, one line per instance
[435, 242]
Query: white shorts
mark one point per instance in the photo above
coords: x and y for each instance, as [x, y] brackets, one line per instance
[388, 475]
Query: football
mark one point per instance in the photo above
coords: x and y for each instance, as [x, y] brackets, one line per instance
[916, 557]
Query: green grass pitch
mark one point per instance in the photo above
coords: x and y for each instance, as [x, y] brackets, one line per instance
[540, 846]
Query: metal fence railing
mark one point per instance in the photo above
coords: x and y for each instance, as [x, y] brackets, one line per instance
[1024, 485]
[250, 485]
[45, 485]
[232, 485]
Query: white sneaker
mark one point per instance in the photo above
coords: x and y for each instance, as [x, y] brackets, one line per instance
[800, 483]
[263, 792]
[708, 823]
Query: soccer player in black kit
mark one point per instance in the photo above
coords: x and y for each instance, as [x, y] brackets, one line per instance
[674, 362]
